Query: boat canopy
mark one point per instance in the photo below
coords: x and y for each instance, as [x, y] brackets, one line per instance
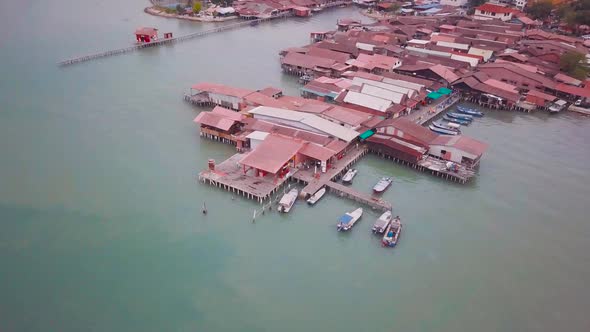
[345, 219]
[434, 95]
[444, 91]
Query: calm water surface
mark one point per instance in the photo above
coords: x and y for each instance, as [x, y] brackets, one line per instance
[100, 217]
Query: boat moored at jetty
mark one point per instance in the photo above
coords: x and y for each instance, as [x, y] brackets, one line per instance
[347, 221]
[443, 131]
[469, 111]
[287, 201]
[391, 235]
[460, 116]
[382, 223]
[347, 178]
[455, 120]
[383, 184]
[317, 196]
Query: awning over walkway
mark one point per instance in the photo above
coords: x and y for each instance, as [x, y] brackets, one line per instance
[434, 95]
[367, 134]
[444, 91]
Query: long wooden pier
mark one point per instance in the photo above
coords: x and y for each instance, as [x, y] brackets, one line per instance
[168, 40]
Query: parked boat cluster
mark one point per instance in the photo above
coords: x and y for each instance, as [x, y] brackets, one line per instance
[385, 225]
[454, 120]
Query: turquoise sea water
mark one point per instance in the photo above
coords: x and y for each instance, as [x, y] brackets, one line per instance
[100, 219]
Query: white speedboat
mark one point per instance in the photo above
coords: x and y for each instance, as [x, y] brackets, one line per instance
[347, 221]
[347, 178]
[391, 235]
[382, 184]
[287, 201]
[382, 223]
[316, 197]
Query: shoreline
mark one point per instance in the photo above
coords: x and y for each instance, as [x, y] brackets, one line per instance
[155, 12]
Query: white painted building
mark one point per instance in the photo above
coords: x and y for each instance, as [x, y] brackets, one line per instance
[489, 11]
[455, 3]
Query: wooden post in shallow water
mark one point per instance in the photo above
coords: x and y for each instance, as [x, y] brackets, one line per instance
[204, 208]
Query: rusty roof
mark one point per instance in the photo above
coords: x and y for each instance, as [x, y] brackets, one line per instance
[222, 89]
[226, 113]
[411, 131]
[329, 54]
[463, 143]
[307, 61]
[213, 120]
[317, 152]
[272, 153]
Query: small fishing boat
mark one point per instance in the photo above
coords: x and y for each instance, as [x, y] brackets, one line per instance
[316, 197]
[446, 126]
[469, 111]
[453, 125]
[347, 178]
[254, 23]
[443, 131]
[391, 235]
[347, 221]
[457, 121]
[287, 201]
[383, 184]
[382, 223]
[460, 116]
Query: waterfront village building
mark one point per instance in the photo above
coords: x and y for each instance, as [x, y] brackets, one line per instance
[146, 35]
[490, 11]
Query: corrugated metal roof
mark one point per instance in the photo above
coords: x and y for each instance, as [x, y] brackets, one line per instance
[376, 91]
[403, 84]
[485, 54]
[274, 152]
[311, 120]
[259, 135]
[418, 41]
[425, 51]
[375, 103]
[317, 152]
[458, 46]
[472, 61]
[463, 143]
[391, 87]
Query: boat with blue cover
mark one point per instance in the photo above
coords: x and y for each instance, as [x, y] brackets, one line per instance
[347, 221]
[469, 111]
[443, 131]
[391, 236]
[460, 116]
[457, 121]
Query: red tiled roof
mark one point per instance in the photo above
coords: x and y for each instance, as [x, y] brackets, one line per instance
[445, 73]
[317, 152]
[274, 152]
[229, 114]
[567, 79]
[213, 120]
[542, 95]
[328, 54]
[270, 91]
[463, 143]
[488, 7]
[306, 61]
[222, 89]
[420, 134]
[572, 90]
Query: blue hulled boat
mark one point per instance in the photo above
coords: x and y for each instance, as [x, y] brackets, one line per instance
[458, 121]
[460, 116]
[469, 111]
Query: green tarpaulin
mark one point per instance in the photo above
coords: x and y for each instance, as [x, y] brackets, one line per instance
[367, 134]
[444, 91]
[434, 95]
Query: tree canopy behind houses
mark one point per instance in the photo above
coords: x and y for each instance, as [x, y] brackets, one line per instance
[197, 7]
[574, 64]
[540, 10]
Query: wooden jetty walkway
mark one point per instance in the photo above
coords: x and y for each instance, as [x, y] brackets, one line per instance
[166, 41]
[314, 184]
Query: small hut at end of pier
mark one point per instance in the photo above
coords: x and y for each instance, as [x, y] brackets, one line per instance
[146, 35]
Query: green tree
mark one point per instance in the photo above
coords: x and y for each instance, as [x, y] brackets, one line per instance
[179, 9]
[197, 7]
[541, 9]
[394, 8]
[574, 64]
